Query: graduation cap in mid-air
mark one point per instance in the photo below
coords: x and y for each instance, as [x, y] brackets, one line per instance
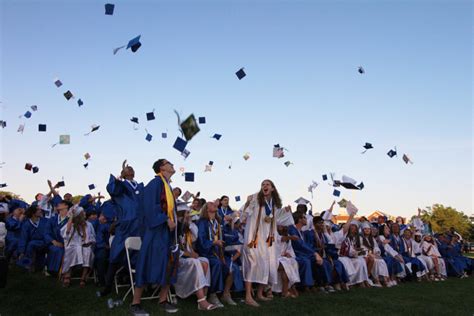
[202, 120]
[87, 156]
[237, 198]
[91, 186]
[325, 177]
[189, 176]
[27, 114]
[287, 163]
[189, 127]
[342, 203]
[80, 103]
[311, 187]
[60, 184]
[109, 9]
[392, 153]
[148, 136]
[150, 116]
[180, 144]
[3, 185]
[58, 83]
[86, 165]
[278, 152]
[361, 70]
[35, 169]
[367, 146]
[134, 44]
[336, 192]
[34, 108]
[93, 129]
[240, 73]
[134, 120]
[41, 127]
[3, 124]
[164, 135]
[246, 156]
[21, 128]
[406, 159]
[301, 201]
[63, 140]
[217, 136]
[68, 95]
[28, 166]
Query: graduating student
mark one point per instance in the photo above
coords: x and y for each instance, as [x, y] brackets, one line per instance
[127, 196]
[53, 238]
[101, 250]
[13, 226]
[375, 263]
[303, 208]
[210, 244]
[454, 267]
[32, 247]
[47, 202]
[224, 211]
[288, 274]
[194, 275]
[232, 252]
[157, 261]
[426, 260]
[351, 248]
[430, 248]
[88, 251]
[91, 203]
[262, 213]
[394, 261]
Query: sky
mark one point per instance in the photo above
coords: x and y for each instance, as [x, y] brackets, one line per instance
[302, 91]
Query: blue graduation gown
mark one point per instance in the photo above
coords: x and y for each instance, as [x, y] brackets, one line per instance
[324, 273]
[156, 263]
[393, 265]
[89, 207]
[32, 242]
[129, 205]
[109, 210]
[304, 256]
[231, 238]
[53, 232]
[205, 248]
[13, 227]
[454, 266]
[399, 246]
[221, 212]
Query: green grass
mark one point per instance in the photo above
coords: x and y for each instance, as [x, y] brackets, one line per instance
[35, 294]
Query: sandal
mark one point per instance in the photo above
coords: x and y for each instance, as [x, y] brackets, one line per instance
[209, 307]
[82, 284]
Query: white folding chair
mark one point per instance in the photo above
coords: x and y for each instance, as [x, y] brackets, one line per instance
[134, 243]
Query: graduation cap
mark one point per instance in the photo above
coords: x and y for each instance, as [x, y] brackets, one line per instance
[35, 169]
[3, 185]
[150, 116]
[80, 103]
[58, 83]
[301, 201]
[240, 73]
[347, 183]
[325, 177]
[180, 144]
[406, 159]
[237, 198]
[34, 108]
[87, 156]
[135, 120]
[361, 70]
[287, 163]
[42, 127]
[27, 114]
[68, 95]
[109, 9]
[208, 168]
[278, 152]
[134, 43]
[148, 137]
[392, 153]
[360, 185]
[60, 184]
[164, 135]
[185, 153]
[86, 165]
[202, 120]
[91, 186]
[342, 203]
[186, 196]
[336, 192]
[311, 187]
[64, 139]
[217, 136]
[367, 146]
[93, 129]
[246, 156]
[189, 177]
[211, 163]
[189, 127]
[28, 166]
[21, 128]
[3, 124]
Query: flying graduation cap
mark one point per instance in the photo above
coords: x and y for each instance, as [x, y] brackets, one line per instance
[134, 44]
[392, 152]
[68, 95]
[41, 127]
[301, 201]
[63, 140]
[202, 120]
[109, 9]
[27, 114]
[367, 146]
[311, 187]
[91, 186]
[406, 159]
[361, 70]
[246, 156]
[237, 198]
[278, 152]
[189, 176]
[217, 136]
[150, 116]
[240, 73]
[189, 127]
[180, 144]
[80, 103]
[58, 83]
[93, 129]
[134, 120]
[34, 108]
[3, 124]
[336, 192]
[287, 163]
[148, 136]
[87, 156]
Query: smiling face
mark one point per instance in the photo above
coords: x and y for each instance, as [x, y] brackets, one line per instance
[128, 173]
[267, 188]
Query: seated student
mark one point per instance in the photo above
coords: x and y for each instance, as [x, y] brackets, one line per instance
[232, 252]
[53, 238]
[351, 248]
[394, 261]
[47, 202]
[74, 234]
[194, 275]
[224, 211]
[308, 258]
[210, 244]
[411, 250]
[414, 266]
[102, 247]
[454, 267]
[426, 260]
[375, 263]
[32, 247]
[468, 263]
[317, 239]
[88, 251]
[429, 248]
[288, 274]
[13, 226]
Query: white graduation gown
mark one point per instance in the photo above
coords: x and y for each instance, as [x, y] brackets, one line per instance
[431, 250]
[379, 268]
[290, 265]
[427, 261]
[72, 249]
[88, 252]
[360, 266]
[337, 238]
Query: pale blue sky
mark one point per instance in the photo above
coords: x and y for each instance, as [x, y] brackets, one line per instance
[302, 90]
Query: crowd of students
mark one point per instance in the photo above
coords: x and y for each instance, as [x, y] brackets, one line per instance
[211, 251]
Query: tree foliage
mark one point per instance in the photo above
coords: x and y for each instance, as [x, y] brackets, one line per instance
[442, 218]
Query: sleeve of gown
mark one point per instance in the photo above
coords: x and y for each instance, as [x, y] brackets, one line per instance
[48, 232]
[204, 244]
[299, 245]
[114, 187]
[283, 217]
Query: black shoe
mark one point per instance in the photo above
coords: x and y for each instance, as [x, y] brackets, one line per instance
[137, 310]
[167, 307]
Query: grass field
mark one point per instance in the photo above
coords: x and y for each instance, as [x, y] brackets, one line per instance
[35, 294]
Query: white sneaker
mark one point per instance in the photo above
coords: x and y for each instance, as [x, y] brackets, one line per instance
[215, 301]
[330, 289]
